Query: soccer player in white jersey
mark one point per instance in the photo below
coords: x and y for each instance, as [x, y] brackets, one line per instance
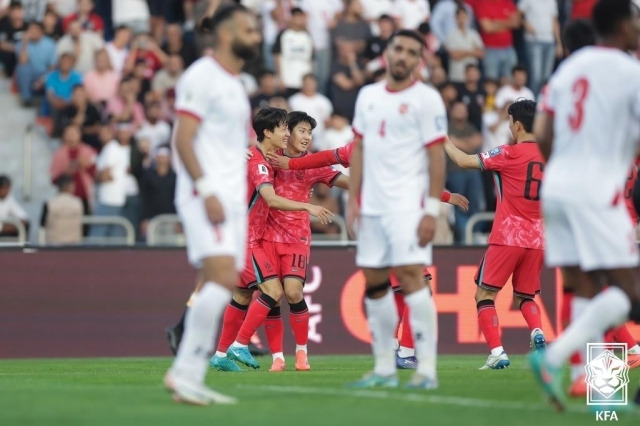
[589, 131]
[211, 137]
[397, 169]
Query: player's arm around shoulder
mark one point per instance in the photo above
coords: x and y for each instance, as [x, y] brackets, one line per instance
[459, 157]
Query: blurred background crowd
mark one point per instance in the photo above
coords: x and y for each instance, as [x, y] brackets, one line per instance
[101, 75]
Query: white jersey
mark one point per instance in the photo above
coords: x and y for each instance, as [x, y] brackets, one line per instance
[395, 128]
[595, 101]
[216, 98]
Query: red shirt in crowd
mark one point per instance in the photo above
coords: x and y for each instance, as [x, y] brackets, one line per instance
[496, 10]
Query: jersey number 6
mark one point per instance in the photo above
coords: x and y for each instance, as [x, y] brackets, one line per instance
[533, 194]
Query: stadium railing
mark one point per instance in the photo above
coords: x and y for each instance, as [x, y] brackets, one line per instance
[473, 221]
[31, 132]
[163, 230]
[20, 239]
[342, 236]
[129, 239]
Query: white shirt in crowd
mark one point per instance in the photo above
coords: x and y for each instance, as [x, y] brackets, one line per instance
[540, 14]
[395, 128]
[459, 40]
[117, 56]
[129, 10]
[270, 28]
[374, 9]
[65, 7]
[412, 13]
[443, 18]
[116, 158]
[334, 139]
[90, 42]
[157, 134]
[508, 94]
[296, 56]
[319, 14]
[500, 135]
[10, 209]
[317, 106]
[217, 98]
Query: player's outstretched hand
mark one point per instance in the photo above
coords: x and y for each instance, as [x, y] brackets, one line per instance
[215, 211]
[426, 230]
[279, 161]
[459, 200]
[353, 214]
[325, 216]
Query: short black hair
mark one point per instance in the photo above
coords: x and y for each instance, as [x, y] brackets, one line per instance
[210, 24]
[407, 33]
[268, 118]
[296, 117]
[15, 4]
[608, 14]
[471, 65]
[524, 111]
[578, 34]
[63, 181]
[461, 9]
[297, 11]
[4, 181]
[518, 67]
[385, 17]
[424, 28]
[309, 75]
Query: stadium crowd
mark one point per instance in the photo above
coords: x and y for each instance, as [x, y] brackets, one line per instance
[103, 74]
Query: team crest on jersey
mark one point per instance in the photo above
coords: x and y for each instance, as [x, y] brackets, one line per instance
[262, 169]
[403, 108]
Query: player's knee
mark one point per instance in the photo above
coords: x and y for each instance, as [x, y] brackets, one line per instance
[377, 291]
[273, 289]
[484, 294]
[293, 294]
[242, 297]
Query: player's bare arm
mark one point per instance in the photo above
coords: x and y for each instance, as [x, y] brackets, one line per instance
[427, 226]
[543, 129]
[274, 201]
[459, 157]
[342, 182]
[186, 129]
[355, 185]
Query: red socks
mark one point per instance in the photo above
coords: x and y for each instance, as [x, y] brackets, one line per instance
[274, 330]
[256, 315]
[531, 313]
[621, 335]
[231, 323]
[488, 321]
[299, 320]
[406, 340]
[400, 305]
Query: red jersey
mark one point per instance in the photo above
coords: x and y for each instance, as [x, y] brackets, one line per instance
[518, 171]
[293, 227]
[628, 192]
[259, 174]
[496, 10]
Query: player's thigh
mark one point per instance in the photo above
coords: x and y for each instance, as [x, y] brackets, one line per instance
[526, 276]
[259, 268]
[579, 282]
[402, 232]
[605, 237]
[411, 277]
[293, 289]
[560, 241]
[374, 250]
[496, 266]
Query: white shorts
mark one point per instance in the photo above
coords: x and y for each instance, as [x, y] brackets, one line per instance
[391, 240]
[591, 237]
[204, 240]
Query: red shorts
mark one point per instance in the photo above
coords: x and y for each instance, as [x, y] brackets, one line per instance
[500, 262]
[259, 267]
[291, 259]
[395, 284]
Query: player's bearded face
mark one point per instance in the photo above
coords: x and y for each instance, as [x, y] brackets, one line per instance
[247, 38]
[403, 56]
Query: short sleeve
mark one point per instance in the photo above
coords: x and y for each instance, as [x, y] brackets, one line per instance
[260, 173]
[358, 116]
[191, 99]
[494, 159]
[433, 121]
[326, 175]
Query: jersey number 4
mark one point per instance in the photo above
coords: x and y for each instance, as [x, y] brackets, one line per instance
[580, 92]
[532, 184]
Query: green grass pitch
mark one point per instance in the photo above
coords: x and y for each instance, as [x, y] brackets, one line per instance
[128, 391]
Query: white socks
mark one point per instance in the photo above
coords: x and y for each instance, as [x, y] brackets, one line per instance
[424, 324]
[608, 309]
[201, 324]
[404, 352]
[382, 316]
[497, 351]
[301, 348]
[277, 355]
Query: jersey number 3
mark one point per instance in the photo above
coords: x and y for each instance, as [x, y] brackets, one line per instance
[580, 92]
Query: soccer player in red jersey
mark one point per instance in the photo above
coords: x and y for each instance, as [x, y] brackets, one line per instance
[516, 241]
[288, 238]
[260, 270]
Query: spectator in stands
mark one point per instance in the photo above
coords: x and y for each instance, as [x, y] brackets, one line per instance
[293, 52]
[118, 48]
[449, 94]
[63, 7]
[267, 89]
[141, 83]
[376, 44]
[77, 160]
[102, 82]
[352, 28]
[144, 48]
[582, 9]
[36, 56]
[158, 188]
[347, 79]
[338, 134]
[275, 16]
[89, 21]
[438, 76]
[316, 105]
[159, 10]
[516, 89]
[542, 37]
[322, 18]
[443, 19]
[472, 95]
[12, 28]
[168, 103]
[80, 112]
[154, 132]
[34, 9]
[490, 89]
[61, 217]
[465, 182]
[131, 13]
[410, 14]
[430, 54]
[176, 45]
[10, 209]
[322, 196]
[373, 10]
[124, 107]
[83, 44]
[167, 77]
[52, 25]
[464, 46]
[59, 85]
[497, 18]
